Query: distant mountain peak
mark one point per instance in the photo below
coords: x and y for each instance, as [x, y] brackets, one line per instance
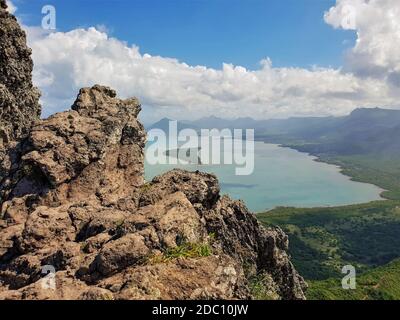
[166, 120]
[211, 118]
[375, 113]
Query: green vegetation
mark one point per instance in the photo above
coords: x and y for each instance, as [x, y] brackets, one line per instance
[145, 188]
[323, 240]
[378, 284]
[185, 250]
[188, 250]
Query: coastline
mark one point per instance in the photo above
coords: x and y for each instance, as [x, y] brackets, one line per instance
[341, 169]
[340, 166]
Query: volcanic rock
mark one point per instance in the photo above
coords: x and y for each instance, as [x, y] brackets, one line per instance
[19, 99]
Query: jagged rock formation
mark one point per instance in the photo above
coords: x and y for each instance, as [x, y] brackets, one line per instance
[19, 100]
[75, 199]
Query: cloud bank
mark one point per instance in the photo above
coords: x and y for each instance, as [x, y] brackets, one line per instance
[66, 61]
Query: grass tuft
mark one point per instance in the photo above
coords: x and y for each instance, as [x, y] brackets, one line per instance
[185, 250]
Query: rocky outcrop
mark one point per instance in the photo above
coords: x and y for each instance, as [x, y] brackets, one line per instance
[19, 100]
[75, 203]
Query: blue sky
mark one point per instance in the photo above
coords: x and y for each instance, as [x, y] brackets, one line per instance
[209, 32]
[194, 58]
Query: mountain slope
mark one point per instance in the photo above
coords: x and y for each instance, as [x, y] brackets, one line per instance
[364, 131]
[323, 240]
[378, 284]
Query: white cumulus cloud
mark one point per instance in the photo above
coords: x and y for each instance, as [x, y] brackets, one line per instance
[66, 61]
[377, 50]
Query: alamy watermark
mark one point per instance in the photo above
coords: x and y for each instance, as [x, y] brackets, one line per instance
[49, 21]
[202, 147]
[349, 281]
[48, 281]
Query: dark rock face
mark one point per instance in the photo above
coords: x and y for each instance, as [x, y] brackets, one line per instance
[75, 198]
[19, 100]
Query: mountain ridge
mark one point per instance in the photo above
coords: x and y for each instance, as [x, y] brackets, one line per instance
[363, 131]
